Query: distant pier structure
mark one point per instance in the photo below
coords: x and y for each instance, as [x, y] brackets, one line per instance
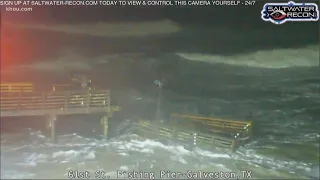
[25, 99]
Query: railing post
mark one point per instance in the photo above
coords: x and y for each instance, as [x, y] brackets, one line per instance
[20, 98]
[249, 126]
[108, 99]
[88, 101]
[42, 100]
[234, 145]
[66, 97]
[174, 134]
[213, 141]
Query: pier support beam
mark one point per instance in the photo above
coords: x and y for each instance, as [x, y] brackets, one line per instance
[105, 126]
[51, 126]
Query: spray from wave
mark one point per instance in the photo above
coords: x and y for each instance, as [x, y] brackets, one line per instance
[277, 58]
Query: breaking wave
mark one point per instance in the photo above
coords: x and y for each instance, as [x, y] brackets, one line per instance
[277, 58]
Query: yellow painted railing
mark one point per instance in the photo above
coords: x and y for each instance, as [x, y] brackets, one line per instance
[39, 100]
[218, 125]
[185, 135]
[16, 87]
[30, 87]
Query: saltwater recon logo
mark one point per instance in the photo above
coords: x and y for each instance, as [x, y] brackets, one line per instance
[279, 13]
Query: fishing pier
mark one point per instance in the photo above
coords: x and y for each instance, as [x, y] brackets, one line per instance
[24, 99]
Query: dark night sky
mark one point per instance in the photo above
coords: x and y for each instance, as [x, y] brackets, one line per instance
[239, 16]
[245, 29]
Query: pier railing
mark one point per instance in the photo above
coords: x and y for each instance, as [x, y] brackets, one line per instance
[16, 87]
[56, 102]
[216, 125]
[30, 87]
[187, 136]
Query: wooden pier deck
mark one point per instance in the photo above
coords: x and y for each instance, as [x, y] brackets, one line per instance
[27, 100]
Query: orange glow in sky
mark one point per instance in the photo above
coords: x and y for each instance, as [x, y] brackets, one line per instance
[14, 46]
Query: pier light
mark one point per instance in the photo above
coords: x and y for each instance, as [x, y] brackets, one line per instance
[246, 127]
[194, 138]
[236, 135]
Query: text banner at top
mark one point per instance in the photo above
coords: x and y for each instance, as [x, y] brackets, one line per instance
[126, 3]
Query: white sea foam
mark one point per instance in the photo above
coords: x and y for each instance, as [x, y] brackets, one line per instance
[277, 58]
[124, 152]
[65, 63]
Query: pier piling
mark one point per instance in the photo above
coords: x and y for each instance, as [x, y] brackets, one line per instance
[51, 125]
[105, 126]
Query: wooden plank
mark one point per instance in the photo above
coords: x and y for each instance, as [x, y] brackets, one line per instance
[207, 118]
[50, 111]
[227, 123]
[16, 91]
